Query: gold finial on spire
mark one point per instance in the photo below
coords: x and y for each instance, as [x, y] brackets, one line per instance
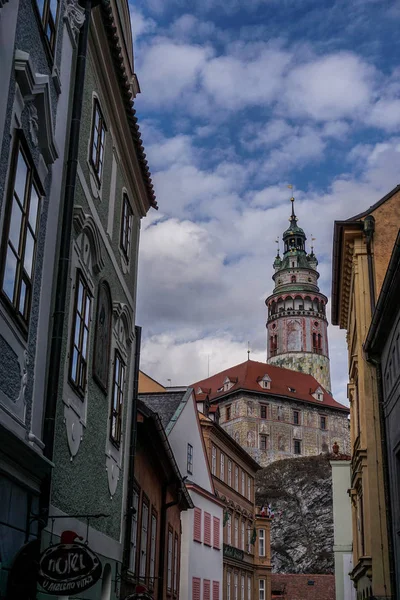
[248, 350]
[293, 216]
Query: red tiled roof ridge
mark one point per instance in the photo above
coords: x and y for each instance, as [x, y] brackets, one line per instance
[249, 372]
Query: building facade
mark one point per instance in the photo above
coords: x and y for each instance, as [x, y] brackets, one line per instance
[201, 572]
[361, 252]
[37, 54]
[297, 324]
[383, 350]
[91, 387]
[246, 534]
[275, 413]
[342, 533]
[159, 498]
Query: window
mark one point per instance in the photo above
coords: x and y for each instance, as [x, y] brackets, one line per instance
[143, 541]
[216, 590]
[222, 466]
[263, 411]
[242, 539]
[196, 583]
[213, 460]
[323, 422]
[197, 525]
[296, 417]
[126, 227]
[262, 589]
[101, 354]
[248, 588]
[228, 412]
[236, 541]
[97, 140]
[132, 562]
[236, 590]
[297, 446]
[261, 542]
[153, 540]
[207, 529]
[229, 530]
[169, 559]
[263, 442]
[206, 589]
[216, 524]
[20, 236]
[293, 279]
[190, 459]
[230, 473]
[236, 478]
[80, 335]
[228, 586]
[242, 588]
[176, 557]
[243, 484]
[249, 488]
[248, 538]
[117, 399]
[48, 10]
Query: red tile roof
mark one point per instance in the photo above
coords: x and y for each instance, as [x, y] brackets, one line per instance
[250, 372]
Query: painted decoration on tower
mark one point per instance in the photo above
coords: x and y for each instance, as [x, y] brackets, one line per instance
[101, 357]
[68, 568]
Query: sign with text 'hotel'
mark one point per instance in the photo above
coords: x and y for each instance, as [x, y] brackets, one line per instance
[67, 569]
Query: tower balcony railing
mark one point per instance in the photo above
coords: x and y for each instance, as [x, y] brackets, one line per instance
[317, 350]
[296, 311]
[273, 352]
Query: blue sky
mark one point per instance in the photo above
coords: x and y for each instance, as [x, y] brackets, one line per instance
[238, 99]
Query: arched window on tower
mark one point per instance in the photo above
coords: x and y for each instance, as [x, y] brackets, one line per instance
[293, 279]
[319, 343]
[315, 342]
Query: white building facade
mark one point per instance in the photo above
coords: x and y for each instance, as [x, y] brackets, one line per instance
[201, 574]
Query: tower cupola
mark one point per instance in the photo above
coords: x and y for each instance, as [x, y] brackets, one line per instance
[297, 324]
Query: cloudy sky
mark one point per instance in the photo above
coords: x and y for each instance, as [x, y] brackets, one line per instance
[238, 99]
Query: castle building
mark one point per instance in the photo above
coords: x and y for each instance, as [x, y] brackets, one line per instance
[297, 324]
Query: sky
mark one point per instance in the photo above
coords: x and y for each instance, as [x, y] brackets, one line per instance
[239, 99]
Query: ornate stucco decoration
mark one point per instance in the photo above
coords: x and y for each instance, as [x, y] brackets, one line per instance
[84, 223]
[35, 92]
[74, 16]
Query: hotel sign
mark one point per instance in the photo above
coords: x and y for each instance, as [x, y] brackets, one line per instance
[68, 569]
[231, 552]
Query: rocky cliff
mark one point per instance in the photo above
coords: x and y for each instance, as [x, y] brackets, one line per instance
[300, 493]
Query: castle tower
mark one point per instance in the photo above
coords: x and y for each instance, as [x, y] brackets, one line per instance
[297, 324]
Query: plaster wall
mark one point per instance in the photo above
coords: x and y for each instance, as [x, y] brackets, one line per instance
[198, 559]
[313, 364]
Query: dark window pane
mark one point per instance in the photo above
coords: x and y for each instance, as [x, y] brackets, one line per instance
[40, 5]
[20, 178]
[22, 298]
[74, 364]
[15, 225]
[10, 274]
[53, 8]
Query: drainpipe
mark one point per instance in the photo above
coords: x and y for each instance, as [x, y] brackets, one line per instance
[64, 251]
[369, 229]
[132, 453]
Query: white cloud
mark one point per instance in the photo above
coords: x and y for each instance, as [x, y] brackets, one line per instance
[332, 87]
[385, 114]
[140, 24]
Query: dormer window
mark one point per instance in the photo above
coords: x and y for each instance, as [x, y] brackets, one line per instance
[291, 389]
[318, 394]
[228, 384]
[265, 382]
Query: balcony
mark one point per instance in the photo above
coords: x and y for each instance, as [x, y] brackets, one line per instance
[232, 552]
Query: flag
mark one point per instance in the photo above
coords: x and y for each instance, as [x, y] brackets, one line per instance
[226, 518]
[253, 537]
[262, 511]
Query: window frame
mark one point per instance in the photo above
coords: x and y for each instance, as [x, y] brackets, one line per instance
[261, 543]
[323, 422]
[236, 478]
[32, 182]
[263, 441]
[264, 407]
[228, 413]
[170, 552]
[116, 413]
[175, 576]
[222, 466]
[213, 460]
[45, 19]
[86, 295]
[97, 165]
[296, 417]
[144, 539]
[102, 384]
[295, 443]
[134, 531]
[229, 472]
[153, 547]
[189, 466]
[243, 483]
[261, 589]
[125, 238]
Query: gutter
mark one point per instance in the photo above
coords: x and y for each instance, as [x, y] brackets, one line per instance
[132, 452]
[64, 251]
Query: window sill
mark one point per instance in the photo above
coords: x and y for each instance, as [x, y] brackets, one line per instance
[76, 389]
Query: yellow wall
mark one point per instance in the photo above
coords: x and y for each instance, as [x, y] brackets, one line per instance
[147, 385]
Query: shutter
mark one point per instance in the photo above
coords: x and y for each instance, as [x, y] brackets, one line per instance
[196, 588]
[215, 590]
[206, 589]
[216, 533]
[207, 528]
[197, 525]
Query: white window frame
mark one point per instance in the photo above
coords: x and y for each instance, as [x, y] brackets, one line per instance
[153, 539]
[176, 542]
[261, 542]
[261, 588]
[249, 488]
[242, 587]
[144, 540]
[248, 588]
[222, 466]
[169, 559]
[189, 466]
[243, 484]
[242, 540]
[213, 460]
[236, 586]
[236, 532]
[228, 585]
[229, 530]
[229, 473]
[236, 478]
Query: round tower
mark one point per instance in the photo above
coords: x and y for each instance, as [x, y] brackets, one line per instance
[297, 324]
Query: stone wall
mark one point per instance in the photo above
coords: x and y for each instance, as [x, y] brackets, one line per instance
[310, 363]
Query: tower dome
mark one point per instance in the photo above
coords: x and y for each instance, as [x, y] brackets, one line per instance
[297, 323]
